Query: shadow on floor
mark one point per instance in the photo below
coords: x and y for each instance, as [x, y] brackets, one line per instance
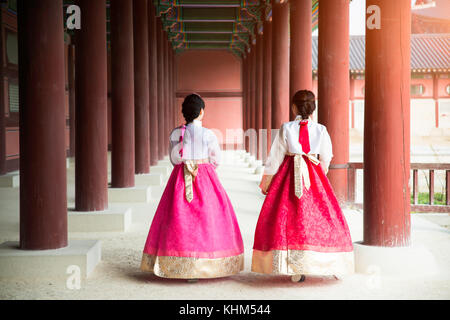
[246, 279]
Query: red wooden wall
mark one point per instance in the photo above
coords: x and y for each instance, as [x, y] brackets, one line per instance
[216, 76]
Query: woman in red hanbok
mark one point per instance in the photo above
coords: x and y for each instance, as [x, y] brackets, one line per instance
[301, 229]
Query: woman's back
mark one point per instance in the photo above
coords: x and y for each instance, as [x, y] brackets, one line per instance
[319, 140]
[198, 143]
[287, 141]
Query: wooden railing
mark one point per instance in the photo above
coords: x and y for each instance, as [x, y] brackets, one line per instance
[352, 167]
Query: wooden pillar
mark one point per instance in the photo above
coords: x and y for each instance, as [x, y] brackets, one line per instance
[141, 87]
[267, 84]
[72, 100]
[436, 98]
[43, 194]
[160, 83]
[176, 108]
[167, 104]
[352, 102]
[153, 85]
[259, 93]
[245, 103]
[244, 97]
[280, 63]
[253, 81]
[122, 98]
[171, 91]
[91, 160]
[387, 127]
[2, 133]
[249, 88]
[300, 47]
[252, 87]
[334, 86]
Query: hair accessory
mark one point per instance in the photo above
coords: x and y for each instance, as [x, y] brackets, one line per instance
[183, 130]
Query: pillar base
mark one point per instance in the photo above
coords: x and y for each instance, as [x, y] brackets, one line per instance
[136, 194]
[111, 220]
[10, 180]
[398, 261]
[165, 162]
[259, 170]
[241, 156]
[252, 164]
[164, 170]
[49, 264]
[151, 179]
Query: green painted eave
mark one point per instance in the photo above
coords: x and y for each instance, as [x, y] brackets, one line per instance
[211, 19]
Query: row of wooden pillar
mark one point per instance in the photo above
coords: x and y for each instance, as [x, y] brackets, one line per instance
[43, 203]
[279, 63]
[142, 109]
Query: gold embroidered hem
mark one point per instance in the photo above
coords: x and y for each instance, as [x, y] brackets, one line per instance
[192, 268]
[295, 262]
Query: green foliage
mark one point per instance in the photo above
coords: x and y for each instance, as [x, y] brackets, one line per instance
[423, 198]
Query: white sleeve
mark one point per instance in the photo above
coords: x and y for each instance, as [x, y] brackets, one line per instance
[175, 146]
[326, 150]
[277, 153]
[214, 152]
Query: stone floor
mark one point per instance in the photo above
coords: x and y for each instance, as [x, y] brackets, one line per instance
[118, 275]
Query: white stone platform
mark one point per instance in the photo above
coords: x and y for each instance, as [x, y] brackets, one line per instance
[10, 180]
[165, 162]
[161, 169]
[15, 263]
[111, 220]
[394, 261]
[151, 179]
[135, 194]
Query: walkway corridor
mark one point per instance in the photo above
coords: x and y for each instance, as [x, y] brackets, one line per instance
[118, 275]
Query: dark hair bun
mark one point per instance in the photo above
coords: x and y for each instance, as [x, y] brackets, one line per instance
[192, 106]
[305, 102]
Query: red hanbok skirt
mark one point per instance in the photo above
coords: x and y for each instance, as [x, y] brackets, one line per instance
[306, 236]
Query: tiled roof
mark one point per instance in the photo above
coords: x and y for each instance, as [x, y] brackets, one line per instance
[429, 53]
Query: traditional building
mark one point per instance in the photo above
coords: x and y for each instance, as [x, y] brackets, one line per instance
[430, 82]
[430, 16]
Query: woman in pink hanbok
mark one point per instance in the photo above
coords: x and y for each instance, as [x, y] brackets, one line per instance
[301, 229]
[194, 233]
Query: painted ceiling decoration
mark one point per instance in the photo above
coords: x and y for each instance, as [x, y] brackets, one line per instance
[213, 24]
[217, 24]
[207, 24]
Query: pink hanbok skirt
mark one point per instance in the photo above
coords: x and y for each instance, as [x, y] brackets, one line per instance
[306, 236]
[197, 239]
